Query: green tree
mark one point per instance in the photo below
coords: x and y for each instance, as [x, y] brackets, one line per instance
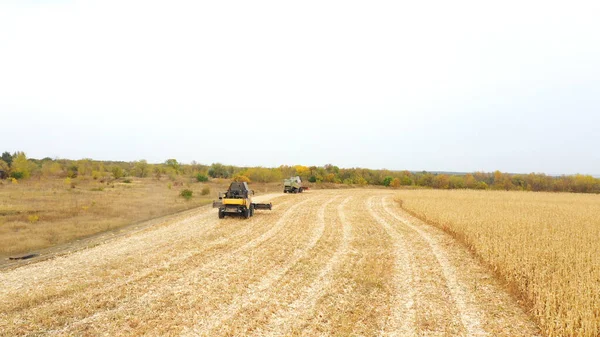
[387, 181]
[172, 163]
[7, 158]
[456, 182]
[218, 170]
[141, 169]
[117, 172]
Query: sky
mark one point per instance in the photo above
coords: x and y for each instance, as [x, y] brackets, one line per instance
[419, 85]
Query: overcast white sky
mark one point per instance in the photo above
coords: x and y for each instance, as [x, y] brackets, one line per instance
[419, 85]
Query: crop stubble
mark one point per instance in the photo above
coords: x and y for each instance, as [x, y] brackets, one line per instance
[321, 263]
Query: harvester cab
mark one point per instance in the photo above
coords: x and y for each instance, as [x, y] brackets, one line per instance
[237, 201]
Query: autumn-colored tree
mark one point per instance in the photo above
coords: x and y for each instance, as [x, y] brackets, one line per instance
[4, 166]
[21, 167]
[441, 181]
[303, 172]
[395, 183]
[470, 181]
[241, 178]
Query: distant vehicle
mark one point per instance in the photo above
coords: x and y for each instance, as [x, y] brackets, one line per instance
[293, 185]
[237, 201]
[3, 174]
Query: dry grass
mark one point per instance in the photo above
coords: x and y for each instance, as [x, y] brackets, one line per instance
[36, 214]
[546, 245]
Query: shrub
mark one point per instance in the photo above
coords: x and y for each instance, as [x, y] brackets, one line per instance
[205, 191]
[127, 181]
[187, 194]
[117, 172]
[387, 181]
[17, 175]
[312, 179]
[201, 177]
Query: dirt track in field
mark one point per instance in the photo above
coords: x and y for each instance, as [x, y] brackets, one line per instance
[333, 262]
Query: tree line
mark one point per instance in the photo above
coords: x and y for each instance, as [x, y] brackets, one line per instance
[18, 166]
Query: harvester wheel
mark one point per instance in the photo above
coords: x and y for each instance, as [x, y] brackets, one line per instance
[221, 214]
[252, 210]
[246, 213]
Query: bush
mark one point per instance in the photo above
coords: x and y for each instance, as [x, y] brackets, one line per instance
[201, 178]
[387, 181]
[187, 194]
[117, 172]
[312, 179]
[17, 175]
[127, 181]
[205, 191]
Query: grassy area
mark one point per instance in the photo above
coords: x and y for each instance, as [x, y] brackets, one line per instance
[544, 244]
[36, 214]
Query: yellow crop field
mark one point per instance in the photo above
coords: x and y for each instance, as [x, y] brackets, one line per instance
[546, 245]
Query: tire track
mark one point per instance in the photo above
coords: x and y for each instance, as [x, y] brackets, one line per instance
[168, 263]
[158, 286]
[402, 321]
[280, 322]
[469, 315]
[257, 292]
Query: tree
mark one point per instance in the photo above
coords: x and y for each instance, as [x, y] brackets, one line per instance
[441, 181]
[387, 181]
[84, 167]
[21, 167]
[218, 170]
[172, 163]
[457, 181]
[470, 181]
[50, 168]
[117, 172]
[141, 169]
[395, 183]
[302, 171]
[7, 158]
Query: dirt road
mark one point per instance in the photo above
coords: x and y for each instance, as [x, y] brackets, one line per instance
[345, 263]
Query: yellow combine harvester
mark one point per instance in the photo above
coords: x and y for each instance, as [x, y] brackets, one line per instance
[237, 201]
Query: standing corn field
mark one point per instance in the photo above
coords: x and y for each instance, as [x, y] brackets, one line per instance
[546, 245]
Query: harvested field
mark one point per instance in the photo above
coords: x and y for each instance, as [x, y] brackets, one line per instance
[342, 263]
[37, 214]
